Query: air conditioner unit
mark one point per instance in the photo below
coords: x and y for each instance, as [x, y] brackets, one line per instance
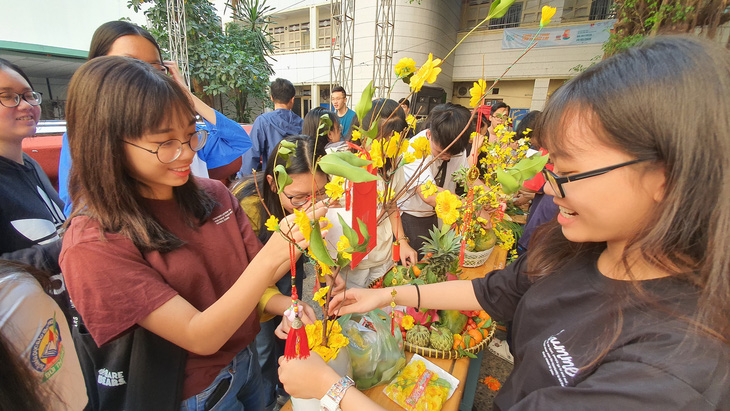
[462, 91]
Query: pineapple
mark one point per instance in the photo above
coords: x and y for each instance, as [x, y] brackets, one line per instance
[444, 246]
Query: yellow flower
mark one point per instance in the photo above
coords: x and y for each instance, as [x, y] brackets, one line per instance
[342, 245]
[407, 322]
[376, 153]
[547, 13]
[421, 146]
[447, 207]
[428, 189]
[477, 92]
[391, 149]
[272, 224]
[320, 295]
[405, 67]
[327, 223]
[427, 73]
[409, 157]
[302, 221]
[335, 188]
[325, 268]
[382, 195]
[411, 121]
[355, 135]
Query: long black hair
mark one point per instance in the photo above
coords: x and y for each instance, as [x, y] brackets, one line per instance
[302, 161]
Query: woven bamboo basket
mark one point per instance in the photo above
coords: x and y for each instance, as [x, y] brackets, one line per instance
[451, 354]
[476, 259]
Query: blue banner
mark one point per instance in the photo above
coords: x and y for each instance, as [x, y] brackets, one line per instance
[593, 33]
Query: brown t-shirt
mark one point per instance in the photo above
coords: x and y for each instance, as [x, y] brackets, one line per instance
[114, 285]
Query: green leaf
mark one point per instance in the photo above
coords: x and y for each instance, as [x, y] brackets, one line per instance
[529, 167]
[348, 232]
[363, 230]
[317, 246]
[366, 101]
[288, 144]
[350, 158]
[509, 183]
[282, 178]
[499, 8]
[325, 125]
[337, 166]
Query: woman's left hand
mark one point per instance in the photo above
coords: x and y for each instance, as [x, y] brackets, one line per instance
[308, 317]
[408, 256]
[310, 377]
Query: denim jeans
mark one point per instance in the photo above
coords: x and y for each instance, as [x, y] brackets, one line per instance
[242, 377]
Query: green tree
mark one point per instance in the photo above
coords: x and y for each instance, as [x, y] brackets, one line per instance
[638, 19]
[231, 62]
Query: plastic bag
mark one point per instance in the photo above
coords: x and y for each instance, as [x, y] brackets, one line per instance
[421, 386]
[376, 355]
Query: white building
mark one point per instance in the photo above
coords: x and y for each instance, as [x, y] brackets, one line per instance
[303, 30]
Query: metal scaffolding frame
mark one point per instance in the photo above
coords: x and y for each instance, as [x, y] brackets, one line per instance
[383, 49]
[342, 47]
[177, 32]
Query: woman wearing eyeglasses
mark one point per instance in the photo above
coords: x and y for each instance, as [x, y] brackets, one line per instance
[30, 210]
[157, 248]
[257, 194]
[622, 302]
[227, 140]
[497, 116]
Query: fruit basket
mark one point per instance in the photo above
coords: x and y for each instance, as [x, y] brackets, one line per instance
[452, 354]
[476, 258]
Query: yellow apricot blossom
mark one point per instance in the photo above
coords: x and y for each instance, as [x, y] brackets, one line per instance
[376, 153]
[547, 14]
[302, 221]
[272, 224]
[320, 295]
[335, 188]
[447, 207]
[421, 146]
[355, 135]
[428, 73]
[405, 67]
[428, 189]
[342, 245]
[477, 92]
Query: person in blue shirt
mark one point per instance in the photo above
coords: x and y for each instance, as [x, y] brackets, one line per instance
[227, 140]
[270, 128]
[347, 117]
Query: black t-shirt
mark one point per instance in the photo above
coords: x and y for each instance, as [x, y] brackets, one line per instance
[565, 321]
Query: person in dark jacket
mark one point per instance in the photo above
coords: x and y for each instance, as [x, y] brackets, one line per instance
[30, 211]
[270, 128]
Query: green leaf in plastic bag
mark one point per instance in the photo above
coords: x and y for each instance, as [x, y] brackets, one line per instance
[282, 178]
[366, 101]
[499, 8]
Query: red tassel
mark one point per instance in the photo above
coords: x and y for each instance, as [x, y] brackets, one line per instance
[297, 345]
[396, 252]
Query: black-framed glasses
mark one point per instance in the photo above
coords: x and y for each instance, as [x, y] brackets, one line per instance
[301, 199]
[556, 182]
[10, 99]
[170, 150]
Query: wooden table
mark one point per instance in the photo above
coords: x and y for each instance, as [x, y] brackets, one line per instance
[458, 368]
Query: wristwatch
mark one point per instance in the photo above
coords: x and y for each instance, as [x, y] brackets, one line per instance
[331, 400]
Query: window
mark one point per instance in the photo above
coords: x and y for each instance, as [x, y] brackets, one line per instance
[581, 10]
[324, 33]
[511, 19]
[474, 11]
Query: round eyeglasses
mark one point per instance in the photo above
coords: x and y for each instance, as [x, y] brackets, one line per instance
[10, 99]
[301, 199]
[170, 150]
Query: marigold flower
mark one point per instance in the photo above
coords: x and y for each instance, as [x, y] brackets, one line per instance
[407, 322]
[492, 383]
[421, 147]
[302, 221]
[405, 67]
[547, 14]
[477, 92]
[272, 224]
[447, 207]
[428, 73]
